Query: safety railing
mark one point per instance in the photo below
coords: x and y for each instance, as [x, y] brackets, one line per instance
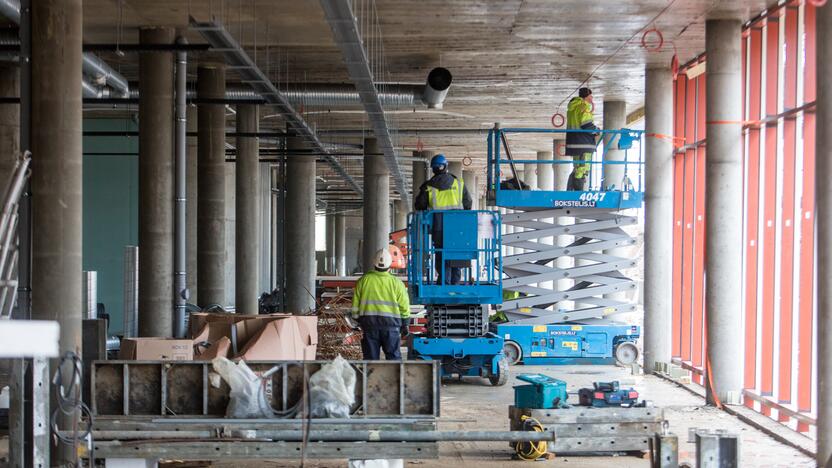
[467, 241]
[505, 187]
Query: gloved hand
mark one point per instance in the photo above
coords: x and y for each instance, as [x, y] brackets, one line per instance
[405, 330]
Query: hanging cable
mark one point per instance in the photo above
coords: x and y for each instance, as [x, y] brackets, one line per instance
[68, 396]
[616, 51]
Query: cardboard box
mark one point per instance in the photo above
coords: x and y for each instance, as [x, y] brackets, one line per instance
[258, 337]
[207, 351]
[171, 349]
[287, 338]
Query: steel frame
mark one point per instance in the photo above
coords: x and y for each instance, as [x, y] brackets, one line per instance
[158, 389]
[581, 429]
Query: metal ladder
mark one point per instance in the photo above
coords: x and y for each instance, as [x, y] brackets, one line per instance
[8, 235]
[595, 270]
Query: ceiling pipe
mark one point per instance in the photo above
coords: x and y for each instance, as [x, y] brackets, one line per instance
[436, 88]
[93, 67]
[432, 94]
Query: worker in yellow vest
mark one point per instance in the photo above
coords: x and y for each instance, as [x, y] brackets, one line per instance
[381, 307]
[443, 192]
[581, 145]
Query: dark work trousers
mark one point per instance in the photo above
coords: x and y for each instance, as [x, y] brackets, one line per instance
[452, 275]
[377, 339]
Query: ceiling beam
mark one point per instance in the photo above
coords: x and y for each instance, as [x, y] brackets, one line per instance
[219, 38]
[344, 25]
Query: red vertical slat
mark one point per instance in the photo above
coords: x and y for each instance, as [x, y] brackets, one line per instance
[752, 217]
[784, 388]
[698, 322]
[698, 300]
[769, 213]
[807, 231]
[678, 213]
[690, 193]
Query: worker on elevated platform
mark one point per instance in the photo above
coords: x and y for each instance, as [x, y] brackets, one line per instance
[381, 307]
[580, 145]
[443, 192]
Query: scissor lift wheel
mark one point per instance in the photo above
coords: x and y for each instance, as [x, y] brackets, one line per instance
[626, 353]
[513, 352]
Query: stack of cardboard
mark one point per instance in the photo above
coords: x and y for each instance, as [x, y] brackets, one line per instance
[271, 337]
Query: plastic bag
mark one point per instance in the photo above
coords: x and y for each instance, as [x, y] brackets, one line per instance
[332, 390]
[246, 395]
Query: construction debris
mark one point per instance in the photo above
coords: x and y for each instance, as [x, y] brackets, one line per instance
[335, 333]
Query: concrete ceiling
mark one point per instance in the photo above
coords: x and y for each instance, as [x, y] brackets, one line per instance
[514, 61]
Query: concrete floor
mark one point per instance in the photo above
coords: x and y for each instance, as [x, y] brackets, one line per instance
[472, 404]
[485, 407]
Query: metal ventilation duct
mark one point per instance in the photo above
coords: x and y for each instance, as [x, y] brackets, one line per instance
[432, 94]
[93, 67]
[435, 90]
[220, 39]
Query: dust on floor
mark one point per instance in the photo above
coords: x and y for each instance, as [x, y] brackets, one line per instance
[475, 405]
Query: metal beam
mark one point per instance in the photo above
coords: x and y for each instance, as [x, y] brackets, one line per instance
[344, 25]
[219, 38]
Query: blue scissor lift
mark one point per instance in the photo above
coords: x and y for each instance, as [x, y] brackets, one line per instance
[545, 320]
[458, 330]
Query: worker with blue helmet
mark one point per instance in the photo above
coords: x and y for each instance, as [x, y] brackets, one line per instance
[443, 191]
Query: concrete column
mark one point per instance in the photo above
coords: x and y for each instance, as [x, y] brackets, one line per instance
[469, 178]
[330, 245]
[9, 120]
[300, 228]
[615, 117]
[723, 186]
[376, 203]
[56, 170]
[561, 171]
[561, 178]
[545, 180]
[400, 215]
[156, 198]
[530, 175]
[340, 245]
[420, 170]
[247, 239]
[545, 177]
[455, 168]
[823, 220]
[658, 217]
[191, 214]
[211, 187]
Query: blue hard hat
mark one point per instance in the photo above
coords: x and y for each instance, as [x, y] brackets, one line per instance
[438, 160]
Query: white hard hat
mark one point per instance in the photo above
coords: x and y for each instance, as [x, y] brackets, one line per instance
[383, 259]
